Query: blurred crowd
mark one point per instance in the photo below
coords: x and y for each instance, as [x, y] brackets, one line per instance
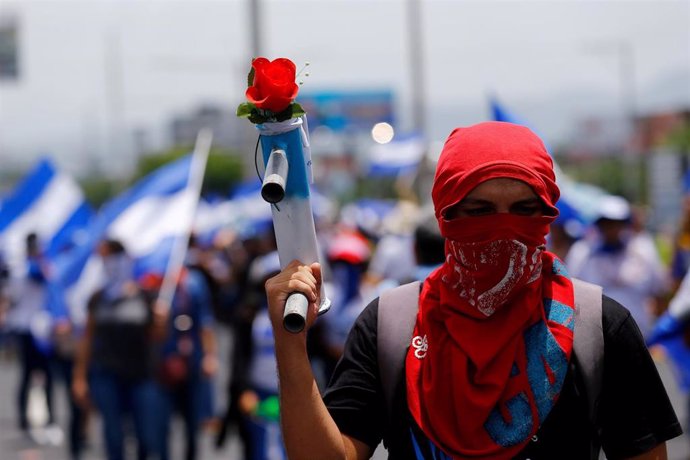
[138, 360]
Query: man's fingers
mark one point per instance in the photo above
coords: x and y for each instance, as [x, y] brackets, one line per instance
[295, 277]
[307, 287]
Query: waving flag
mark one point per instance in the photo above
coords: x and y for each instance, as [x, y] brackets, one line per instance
[46, 202]
[247, 213]
[50, 204]
[501, 113]
[146, 218]
[400, 156]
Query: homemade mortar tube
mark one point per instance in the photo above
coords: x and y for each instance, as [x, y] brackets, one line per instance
[286, 187]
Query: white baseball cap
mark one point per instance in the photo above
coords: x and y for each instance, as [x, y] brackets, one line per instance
[612, 207]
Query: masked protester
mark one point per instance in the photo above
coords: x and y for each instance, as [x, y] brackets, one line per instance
[491, 372]
[114, 362]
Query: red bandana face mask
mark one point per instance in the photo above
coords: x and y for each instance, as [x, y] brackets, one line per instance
[493, 335]
[489, 258]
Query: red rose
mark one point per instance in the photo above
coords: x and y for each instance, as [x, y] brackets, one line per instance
[274, 86]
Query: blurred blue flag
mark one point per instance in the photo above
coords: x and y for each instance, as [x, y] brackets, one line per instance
[501, 113]
[50, 204]
[146, 218]
[46, 202]
[398, 157]
[669, 332]
[247, 213]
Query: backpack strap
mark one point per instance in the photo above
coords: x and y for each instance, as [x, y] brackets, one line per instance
[588, 344]
[398, 312]
[396, 318]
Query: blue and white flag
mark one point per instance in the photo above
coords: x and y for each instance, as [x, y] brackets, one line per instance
[50, 204]
[247, 213]
[400, 156]
[46, 202]
[146, 218]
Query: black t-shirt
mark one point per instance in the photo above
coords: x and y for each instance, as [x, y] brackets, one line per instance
[122, 343]
[635, 413]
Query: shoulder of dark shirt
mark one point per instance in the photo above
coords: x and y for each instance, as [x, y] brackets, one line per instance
[614, 315]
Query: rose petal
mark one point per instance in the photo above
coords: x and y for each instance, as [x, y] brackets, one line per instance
[254, 96]
[287, 63]
[276, 104]
[260, 62]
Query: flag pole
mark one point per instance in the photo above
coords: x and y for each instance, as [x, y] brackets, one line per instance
[181, 241]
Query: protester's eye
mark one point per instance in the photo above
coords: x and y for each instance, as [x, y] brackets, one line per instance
[526, 209]
[471, 208]
[478, 211]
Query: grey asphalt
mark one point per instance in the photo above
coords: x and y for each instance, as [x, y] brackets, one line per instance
[16, 446]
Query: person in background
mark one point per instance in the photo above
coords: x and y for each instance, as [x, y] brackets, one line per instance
[429, 245]
[254, 380]
[27, 314]
[680, 261]
[624, 262]
[67, 332]
[5, 337]
[114, 363]
[490, 372]
[188, 359]
[672, 333]
[565, 230]
[246, 300]
[392, 261]
[347, 258]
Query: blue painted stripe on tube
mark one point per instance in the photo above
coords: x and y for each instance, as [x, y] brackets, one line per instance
[291, 142]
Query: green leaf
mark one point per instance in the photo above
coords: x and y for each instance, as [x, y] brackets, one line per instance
[297, 110]
[245, 109]
[250, 78]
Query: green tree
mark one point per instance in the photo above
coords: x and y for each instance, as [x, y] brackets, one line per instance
[224, 168]
[98, 190]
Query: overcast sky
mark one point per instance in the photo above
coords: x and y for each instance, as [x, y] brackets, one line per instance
[89, 65]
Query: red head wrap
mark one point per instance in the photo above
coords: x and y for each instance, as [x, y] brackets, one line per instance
[481, 379]
[489, 150]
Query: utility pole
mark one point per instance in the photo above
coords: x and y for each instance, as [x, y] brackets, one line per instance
[255, 44]
[634, 161]
[414, 22]
[117, 145]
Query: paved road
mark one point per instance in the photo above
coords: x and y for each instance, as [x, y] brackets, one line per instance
[15, 446]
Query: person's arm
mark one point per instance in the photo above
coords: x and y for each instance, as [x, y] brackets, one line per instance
[209, 362]
[308, 429]
[160, 319]
[202, 300]
[80, 383]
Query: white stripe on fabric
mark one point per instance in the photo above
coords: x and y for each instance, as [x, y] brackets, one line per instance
[146, 222]
[60, 199]
[79, 293]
